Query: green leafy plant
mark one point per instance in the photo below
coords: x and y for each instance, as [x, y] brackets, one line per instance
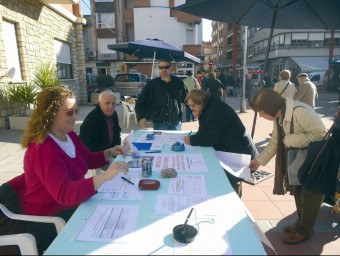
[22, 94]
[105, 82]
[46, 75]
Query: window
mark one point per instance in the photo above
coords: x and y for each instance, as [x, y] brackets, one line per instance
[103, 43]
[11, 51]
[105, 20]
[63, 54]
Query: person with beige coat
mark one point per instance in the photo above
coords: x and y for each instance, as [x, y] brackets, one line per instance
[284, 86]
[307, 127]
[306, 90]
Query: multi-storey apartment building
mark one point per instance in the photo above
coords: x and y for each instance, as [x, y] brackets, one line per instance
[129, 20]
[298, 50]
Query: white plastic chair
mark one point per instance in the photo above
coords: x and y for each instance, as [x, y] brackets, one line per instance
[128, 111]
[26, 242]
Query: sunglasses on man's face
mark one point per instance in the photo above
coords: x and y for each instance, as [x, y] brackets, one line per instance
[163, 67]
[71, 112]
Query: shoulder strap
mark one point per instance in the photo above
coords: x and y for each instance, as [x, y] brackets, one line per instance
[284, 88]
[291, 122]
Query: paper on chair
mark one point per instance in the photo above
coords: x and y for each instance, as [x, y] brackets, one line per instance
[235, 164]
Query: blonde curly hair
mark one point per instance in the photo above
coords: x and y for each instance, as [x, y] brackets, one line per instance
[47, 105]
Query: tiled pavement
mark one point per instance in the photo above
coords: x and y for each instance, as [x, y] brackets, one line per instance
[271, 212]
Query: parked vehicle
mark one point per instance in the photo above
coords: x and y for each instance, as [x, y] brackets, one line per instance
[317, 78]
[181, 76]
[130, 84]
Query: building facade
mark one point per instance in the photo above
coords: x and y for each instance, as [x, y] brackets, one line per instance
[298, 50]
[119, 21]
[33, 32]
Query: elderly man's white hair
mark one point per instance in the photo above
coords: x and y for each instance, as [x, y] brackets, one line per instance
[106, 93]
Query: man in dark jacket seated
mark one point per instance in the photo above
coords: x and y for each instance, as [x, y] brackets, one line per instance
[100, 129]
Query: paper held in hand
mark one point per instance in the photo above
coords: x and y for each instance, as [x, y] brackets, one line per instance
[235, 164]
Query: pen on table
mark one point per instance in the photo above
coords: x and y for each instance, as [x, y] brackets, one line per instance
[189, 133]
[129, 181]
[154, 151]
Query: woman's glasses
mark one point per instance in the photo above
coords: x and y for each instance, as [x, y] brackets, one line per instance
[70, 112]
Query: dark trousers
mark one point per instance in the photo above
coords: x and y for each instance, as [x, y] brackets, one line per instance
[308, 205]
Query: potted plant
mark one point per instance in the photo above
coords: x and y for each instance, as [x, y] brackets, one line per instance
[46, 75]
[104, 82]
[23, 96]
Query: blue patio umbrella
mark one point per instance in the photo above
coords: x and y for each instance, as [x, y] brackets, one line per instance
[155, 49]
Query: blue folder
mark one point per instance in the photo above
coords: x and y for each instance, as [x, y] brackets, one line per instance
[142, 145]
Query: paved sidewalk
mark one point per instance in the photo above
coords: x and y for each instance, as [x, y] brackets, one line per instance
[271, 212]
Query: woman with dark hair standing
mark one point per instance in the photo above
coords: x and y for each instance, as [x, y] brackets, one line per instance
[226, 134]
[307, 126]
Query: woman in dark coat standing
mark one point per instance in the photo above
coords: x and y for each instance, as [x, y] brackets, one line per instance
[219, 127]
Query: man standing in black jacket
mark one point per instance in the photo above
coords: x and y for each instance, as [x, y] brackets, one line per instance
[161, 100]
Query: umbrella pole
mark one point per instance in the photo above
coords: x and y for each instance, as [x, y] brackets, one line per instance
[153, 63]
[266, 59]
[243, 101]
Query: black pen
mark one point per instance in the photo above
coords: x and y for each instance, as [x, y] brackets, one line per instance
[129, 181]
[154, 151]
[187, 219]
[189, 133]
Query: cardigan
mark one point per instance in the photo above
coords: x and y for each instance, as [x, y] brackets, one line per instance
[54, 181]
[308, 127]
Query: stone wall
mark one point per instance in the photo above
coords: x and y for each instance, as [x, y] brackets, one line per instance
[37, 26]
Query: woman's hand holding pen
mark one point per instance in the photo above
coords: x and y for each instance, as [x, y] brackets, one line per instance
[111, 172]
[186, 140]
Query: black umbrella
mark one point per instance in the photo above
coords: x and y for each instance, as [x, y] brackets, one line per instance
[284, 14]
[155, 49]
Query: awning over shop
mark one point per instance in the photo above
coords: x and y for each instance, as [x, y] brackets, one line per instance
[311, 64]
[254, 65]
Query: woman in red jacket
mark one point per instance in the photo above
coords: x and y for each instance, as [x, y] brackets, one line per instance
[56, 161]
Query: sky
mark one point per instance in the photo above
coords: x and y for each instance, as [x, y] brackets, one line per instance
[206, 30]
[85, 8]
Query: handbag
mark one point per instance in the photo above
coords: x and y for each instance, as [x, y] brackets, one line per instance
[295, 158]
[319, 171]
